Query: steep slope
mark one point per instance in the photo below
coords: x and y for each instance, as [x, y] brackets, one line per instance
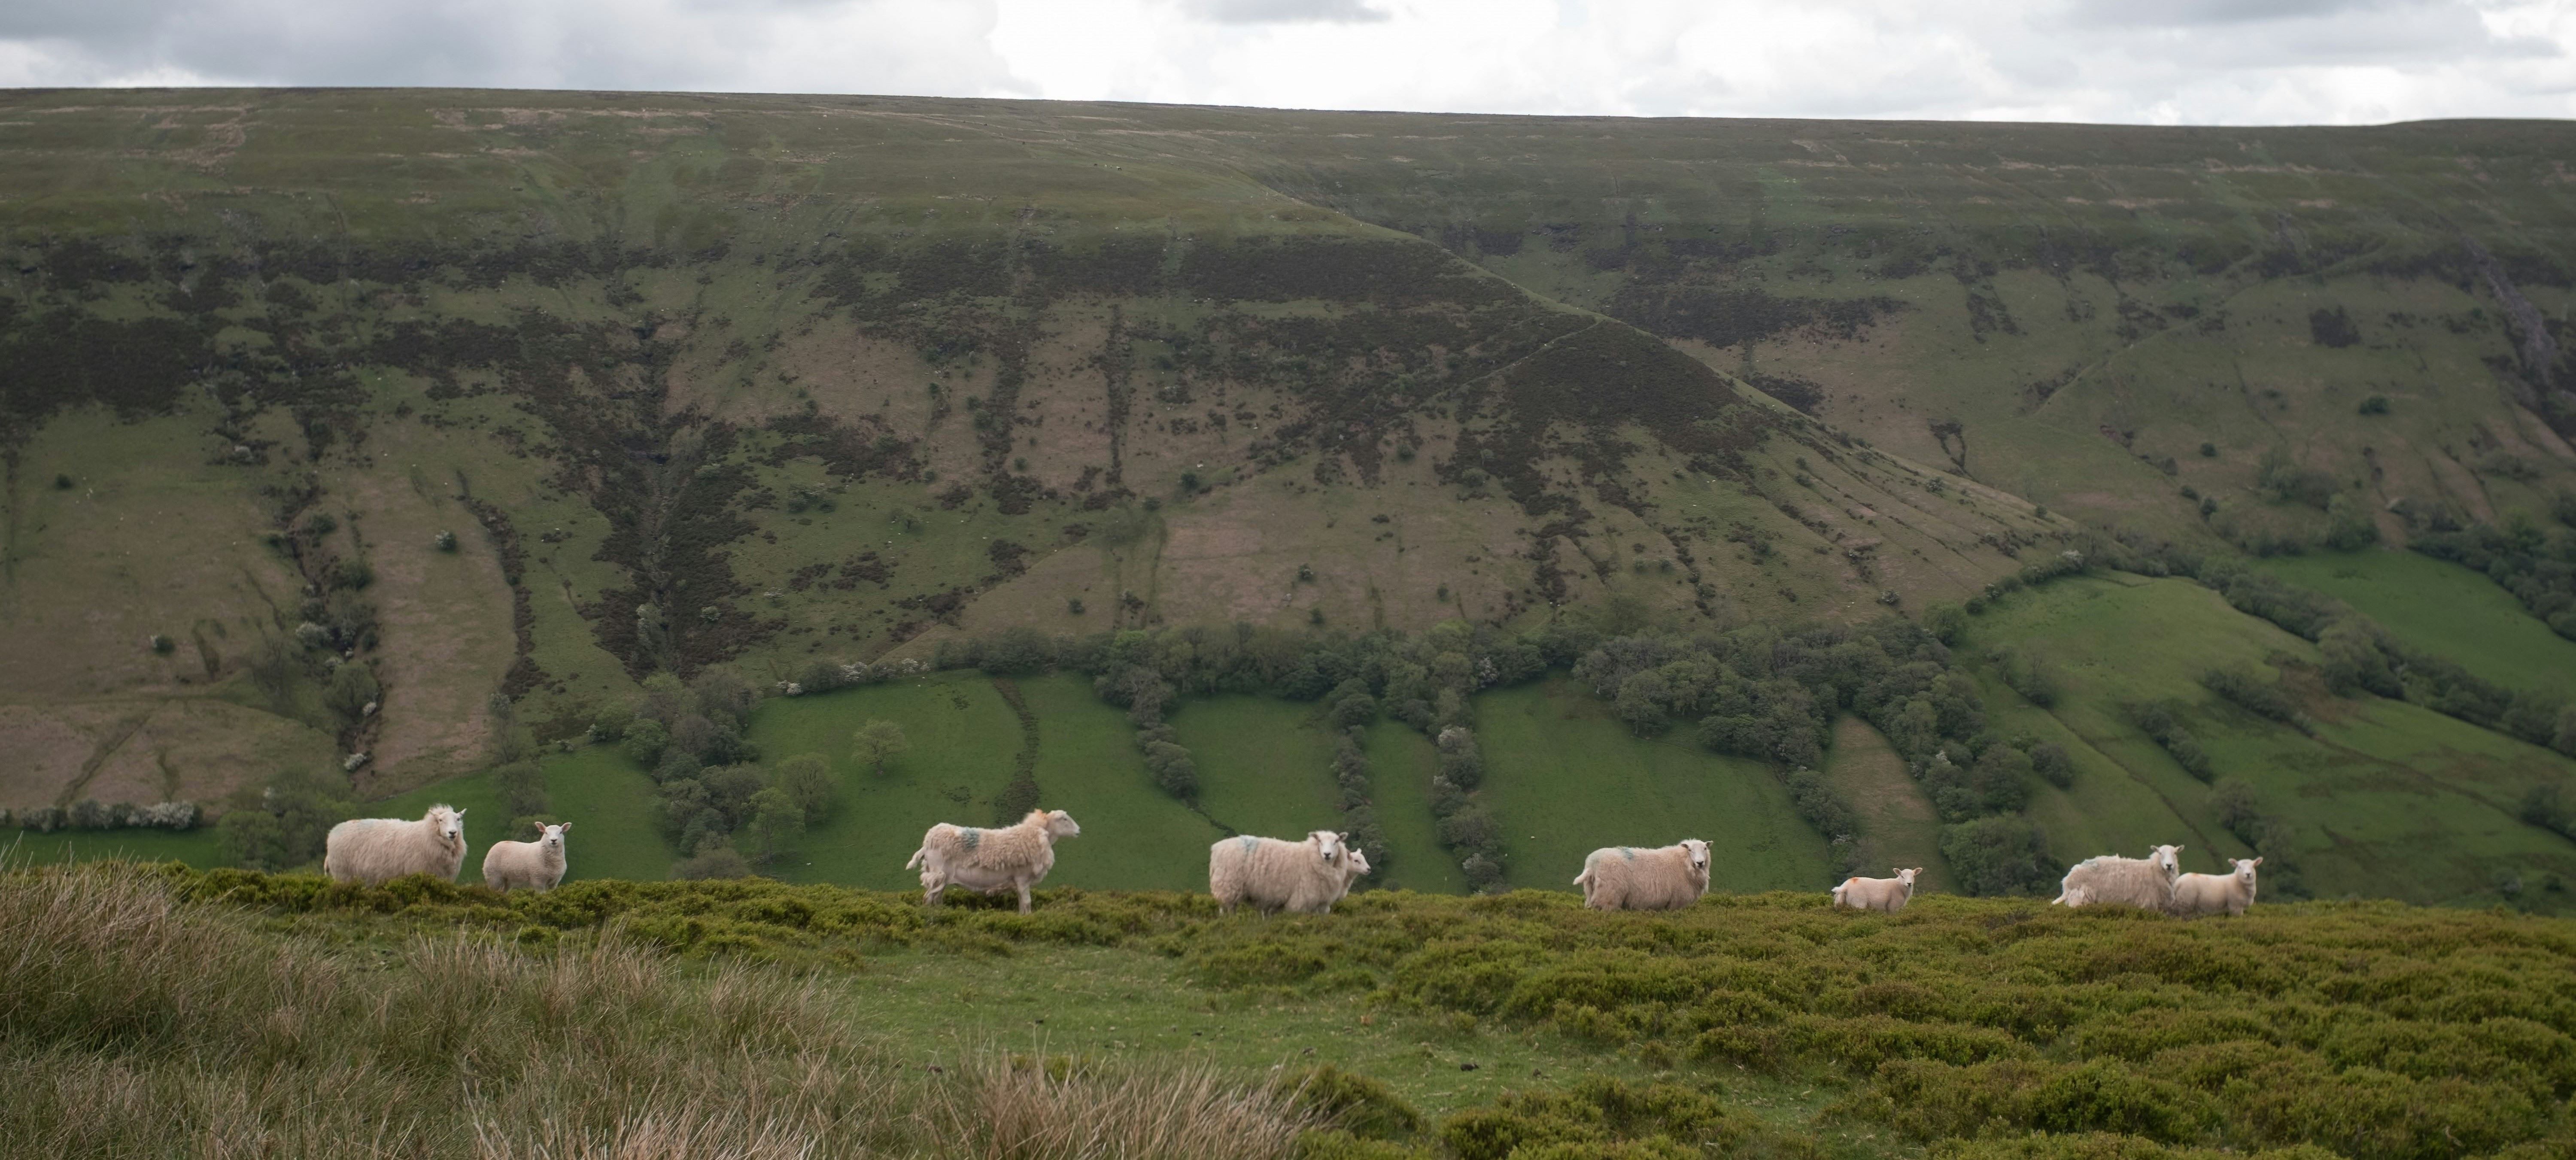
[433, 413]
[2113, 322]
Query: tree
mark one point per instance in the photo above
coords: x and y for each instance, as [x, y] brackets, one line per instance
[776, 824]
[877, 743]
[807, 778]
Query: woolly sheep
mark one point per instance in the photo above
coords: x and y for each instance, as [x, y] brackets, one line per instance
[991, 860]
[1627, 878]
[371, 850]
[2145, 883]
[1274, 874]
[1888, 894]
[537, 865]
[2229, 894]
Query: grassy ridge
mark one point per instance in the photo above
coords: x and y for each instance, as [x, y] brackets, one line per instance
[1973, 1027]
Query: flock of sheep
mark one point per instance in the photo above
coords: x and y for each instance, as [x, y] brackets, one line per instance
[1268, 874]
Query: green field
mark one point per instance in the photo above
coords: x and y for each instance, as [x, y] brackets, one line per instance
[2388, 799]
[2443, 609]
[1565, 778]
[1898, 826]
[1265, 765]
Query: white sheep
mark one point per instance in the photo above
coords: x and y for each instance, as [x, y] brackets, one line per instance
[2145, 883]
[991, 860]
[1888, 894]
[1627, 878]
[537, 865]
[371, 850]
[2229, 894]
[1274, 874]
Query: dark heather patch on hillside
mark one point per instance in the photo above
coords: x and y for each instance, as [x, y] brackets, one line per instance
[1568, 398]
[674, 543]
[65, 358]
[852, 450]
[1728, 317]
[1387, 273]
[2332, 328]
[1123, 267]
[1799, 393]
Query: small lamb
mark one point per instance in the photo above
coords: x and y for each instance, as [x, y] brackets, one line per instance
[537, 865]
[2229, 894]
[1887, 894]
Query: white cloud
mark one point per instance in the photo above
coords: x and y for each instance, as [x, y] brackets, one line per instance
[2183, 61]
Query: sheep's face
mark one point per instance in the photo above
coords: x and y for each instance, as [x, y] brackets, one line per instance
[2169, 857]
[449, 824]
[2245, 869]
[1357, 863]
[1907, 876]
[1698, 854]
[1328, 844]
[1061, 824]
[553, 838]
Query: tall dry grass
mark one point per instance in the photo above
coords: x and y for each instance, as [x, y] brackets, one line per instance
[133, 1025]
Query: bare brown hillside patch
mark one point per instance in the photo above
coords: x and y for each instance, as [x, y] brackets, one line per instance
[446, 626]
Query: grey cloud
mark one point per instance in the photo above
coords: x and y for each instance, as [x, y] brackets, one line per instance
[1285, 12]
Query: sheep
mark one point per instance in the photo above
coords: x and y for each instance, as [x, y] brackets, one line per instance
[1627, 878]
[2145, 883]
[537, 865]
[2196, 894]
[1274, 874]
[991, 860]
[371, 850]
[1888, 894]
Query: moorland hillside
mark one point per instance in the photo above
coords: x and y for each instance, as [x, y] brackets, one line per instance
[386, 433]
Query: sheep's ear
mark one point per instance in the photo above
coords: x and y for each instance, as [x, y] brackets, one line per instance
[565, 828]
[2258, 861]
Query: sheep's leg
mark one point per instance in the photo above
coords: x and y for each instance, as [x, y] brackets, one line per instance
[1024, 895]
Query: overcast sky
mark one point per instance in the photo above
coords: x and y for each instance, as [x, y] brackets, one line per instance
[2154, 61]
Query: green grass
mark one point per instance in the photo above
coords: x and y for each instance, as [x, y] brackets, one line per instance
[1898, 826]
[1265, 765]
[1401, 764]
[1565, 778]
[1134, 836]
[2444, 609]
[1972, 1027]
[962, 735]
[617, 835]
[2386, 799]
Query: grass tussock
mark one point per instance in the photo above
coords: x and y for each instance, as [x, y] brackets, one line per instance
[136, 1024]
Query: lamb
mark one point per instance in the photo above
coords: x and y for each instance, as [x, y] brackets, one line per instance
[372, 850]
[1274, 874]
[2231, 894]
[2145, 883]
[1627, 878]
[991, 860]
[537, 865]
[1888, 894]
